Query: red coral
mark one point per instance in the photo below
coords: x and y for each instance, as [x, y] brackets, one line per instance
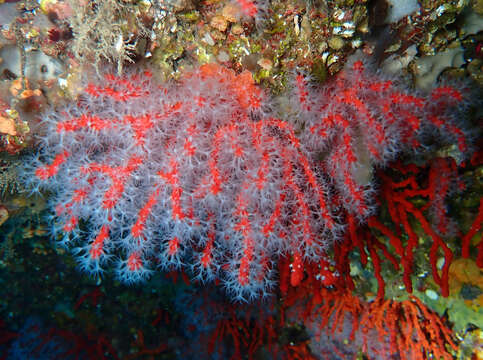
[202, 173]
[381, 329]
[475, 228]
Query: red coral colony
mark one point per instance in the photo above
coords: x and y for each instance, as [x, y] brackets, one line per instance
[205, 177]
